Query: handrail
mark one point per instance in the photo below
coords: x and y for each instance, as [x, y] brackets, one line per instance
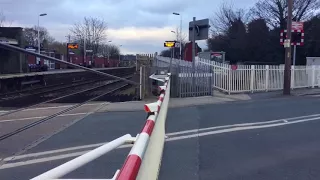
[134, 161]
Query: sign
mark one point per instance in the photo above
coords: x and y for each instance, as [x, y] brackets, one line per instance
[170, 44]
[297, 37]
[89, 50]
[297, 26]
[201, 29]
[72, 45]
[287, 43]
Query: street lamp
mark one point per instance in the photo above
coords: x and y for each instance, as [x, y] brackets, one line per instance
[173, 48]
[43, 14]
[119, 52]
[178, 14]
[84, 46]
[108, 49]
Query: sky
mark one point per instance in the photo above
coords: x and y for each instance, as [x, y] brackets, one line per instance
[140, 26]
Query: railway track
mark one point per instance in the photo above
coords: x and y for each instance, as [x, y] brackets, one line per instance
[55, 97]
[46, 89]
[87, 95]
[47, 95]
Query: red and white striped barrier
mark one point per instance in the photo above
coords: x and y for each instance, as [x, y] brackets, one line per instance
[132, 165]
[144, 159]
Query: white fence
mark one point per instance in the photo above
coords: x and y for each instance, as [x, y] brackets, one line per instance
[251, 78]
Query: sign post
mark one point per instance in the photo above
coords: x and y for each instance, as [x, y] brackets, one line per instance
[297, 38]
[71, 46]
[198, 30]
[171, 45]
[296, 26]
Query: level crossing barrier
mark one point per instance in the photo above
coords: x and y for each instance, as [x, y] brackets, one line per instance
[144, 159]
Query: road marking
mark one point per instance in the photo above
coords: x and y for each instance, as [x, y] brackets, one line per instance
[166, 136]
[239, 125]
[240, 129]
[53, 151]
[52, 158]
[230, 128]
[39, 117]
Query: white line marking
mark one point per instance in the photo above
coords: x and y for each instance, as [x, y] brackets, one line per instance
[46, 159]
[240, 129]
[242, 124]
[39, 117]
[258, 125]
[53, 151]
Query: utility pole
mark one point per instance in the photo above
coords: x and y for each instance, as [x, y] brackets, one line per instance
[68, 55]
[287, 68]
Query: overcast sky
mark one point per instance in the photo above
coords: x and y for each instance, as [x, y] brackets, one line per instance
[140, 26]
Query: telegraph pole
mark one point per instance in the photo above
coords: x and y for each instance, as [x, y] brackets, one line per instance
[68, 56]
[287, 68]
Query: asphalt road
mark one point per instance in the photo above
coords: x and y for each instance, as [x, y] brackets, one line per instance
[274, 146]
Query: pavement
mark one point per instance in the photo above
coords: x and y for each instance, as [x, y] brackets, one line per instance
[208, 138]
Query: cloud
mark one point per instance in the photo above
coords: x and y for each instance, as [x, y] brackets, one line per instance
[144, 34]
[139, 25]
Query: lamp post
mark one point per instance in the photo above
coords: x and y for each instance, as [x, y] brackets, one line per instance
[84, 46]
[108, 49]
[43, 14]
[119, 53]
[178, 14]
[173, 48]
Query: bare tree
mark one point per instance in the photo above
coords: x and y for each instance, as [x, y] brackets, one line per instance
[2, 19]
[275, 11]
[111, 50]
[31, 36]
[92, 30]
[183, 36]
[226, 16]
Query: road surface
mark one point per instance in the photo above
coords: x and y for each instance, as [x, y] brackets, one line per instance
[251, 140]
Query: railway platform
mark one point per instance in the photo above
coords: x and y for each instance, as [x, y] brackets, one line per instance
[13, 82]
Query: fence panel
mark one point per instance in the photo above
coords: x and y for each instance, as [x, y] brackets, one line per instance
[183, 77]
[246, 78]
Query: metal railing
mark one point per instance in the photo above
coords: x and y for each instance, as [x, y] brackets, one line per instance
[144, 159]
